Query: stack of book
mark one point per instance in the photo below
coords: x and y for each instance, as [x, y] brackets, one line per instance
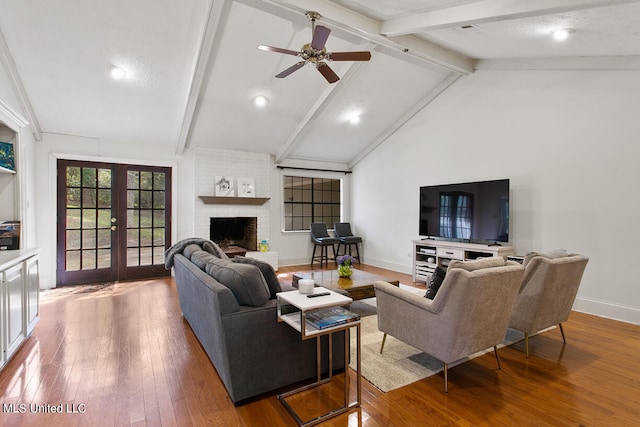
[330, 317]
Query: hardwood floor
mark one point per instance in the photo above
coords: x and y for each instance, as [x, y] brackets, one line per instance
[124, 355]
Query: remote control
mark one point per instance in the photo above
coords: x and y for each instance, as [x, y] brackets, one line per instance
[321, 294]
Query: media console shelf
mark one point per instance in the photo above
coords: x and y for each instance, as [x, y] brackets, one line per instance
[427, 254]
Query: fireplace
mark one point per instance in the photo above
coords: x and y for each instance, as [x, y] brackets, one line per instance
[235, 235]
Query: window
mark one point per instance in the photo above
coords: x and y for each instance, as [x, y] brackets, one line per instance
[310, 199]
[456, 212]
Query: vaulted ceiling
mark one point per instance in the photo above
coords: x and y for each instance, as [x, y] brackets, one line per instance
[193, 69]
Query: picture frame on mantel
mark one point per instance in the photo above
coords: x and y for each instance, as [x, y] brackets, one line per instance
[224, 186]
[246, 187]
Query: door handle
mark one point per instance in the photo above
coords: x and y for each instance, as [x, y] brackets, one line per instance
[113, 228]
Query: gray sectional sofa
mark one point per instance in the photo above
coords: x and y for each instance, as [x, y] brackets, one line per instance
[230, 305]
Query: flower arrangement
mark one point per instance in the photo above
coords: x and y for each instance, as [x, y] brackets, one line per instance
[345, 265]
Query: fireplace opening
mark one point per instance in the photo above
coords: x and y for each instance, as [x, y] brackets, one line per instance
[235, 235]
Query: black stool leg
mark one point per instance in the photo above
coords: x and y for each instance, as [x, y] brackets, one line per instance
[358, 253]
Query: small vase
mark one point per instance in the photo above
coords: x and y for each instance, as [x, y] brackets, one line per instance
[345, 270]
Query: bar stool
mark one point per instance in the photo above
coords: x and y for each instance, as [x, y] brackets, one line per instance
[346, 238]
[320, 237]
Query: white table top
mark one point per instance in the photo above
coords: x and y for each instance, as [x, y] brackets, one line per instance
[304, 303]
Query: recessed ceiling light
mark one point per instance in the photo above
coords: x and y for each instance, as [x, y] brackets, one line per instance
[260, 100]
[562, 34]
[354, 118]
[117, 73]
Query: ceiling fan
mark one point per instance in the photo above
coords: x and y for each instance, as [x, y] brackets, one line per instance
[316, 53]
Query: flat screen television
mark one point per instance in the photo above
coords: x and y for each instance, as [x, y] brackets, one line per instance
[466, 212]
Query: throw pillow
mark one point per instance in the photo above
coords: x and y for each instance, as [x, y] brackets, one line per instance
[436, 280]
[495, 261]
[190, 249]
[245, 280]
[213, 248]
[267, 271]
[200, 258]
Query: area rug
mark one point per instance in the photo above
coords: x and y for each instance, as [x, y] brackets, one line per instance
[400, 364]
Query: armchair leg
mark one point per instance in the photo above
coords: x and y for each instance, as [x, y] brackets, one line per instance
[562, 332]
[526, 344]
[446, 378]
[384, 338]
[495, 350]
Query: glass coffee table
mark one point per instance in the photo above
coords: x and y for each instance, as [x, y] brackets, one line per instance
[358, 286]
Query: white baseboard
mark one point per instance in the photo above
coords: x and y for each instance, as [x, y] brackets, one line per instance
[607, 309]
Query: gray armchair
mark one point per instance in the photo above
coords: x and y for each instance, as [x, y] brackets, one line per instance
[549, 287]
[470, 312]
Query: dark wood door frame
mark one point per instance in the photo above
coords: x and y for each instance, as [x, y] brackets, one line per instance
[131, 228]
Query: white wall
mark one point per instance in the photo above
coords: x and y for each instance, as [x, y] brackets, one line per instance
[568, 140]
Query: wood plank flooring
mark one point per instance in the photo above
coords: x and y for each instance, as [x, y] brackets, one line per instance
[124, 356]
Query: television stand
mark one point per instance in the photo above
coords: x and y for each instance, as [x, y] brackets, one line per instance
[429, 254]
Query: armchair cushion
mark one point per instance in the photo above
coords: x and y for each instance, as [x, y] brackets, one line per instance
[478, 264]
[558, 253]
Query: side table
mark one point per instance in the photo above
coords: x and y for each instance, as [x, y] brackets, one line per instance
[297, 320]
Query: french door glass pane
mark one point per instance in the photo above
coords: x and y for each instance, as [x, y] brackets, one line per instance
[145, 217]
[88, 218]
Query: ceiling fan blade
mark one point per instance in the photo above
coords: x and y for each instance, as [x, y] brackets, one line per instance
[327, 72]
[320, 36]
[294, 67]
[278, 50]
[349, 56]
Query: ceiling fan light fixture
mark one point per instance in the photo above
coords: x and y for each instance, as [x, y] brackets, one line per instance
[315, 52]
[562, 34]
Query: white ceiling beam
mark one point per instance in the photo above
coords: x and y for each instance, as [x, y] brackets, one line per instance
[209, 40]
[352, 22]
[18, 87]
[486, 11]
[408, 115]
[587, 63]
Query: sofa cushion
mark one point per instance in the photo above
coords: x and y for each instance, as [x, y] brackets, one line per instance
[214, 249]
[558, 253]
[495, 261]
[436, 280]
[245, 280]
[190, 249]
[200, 258]
[267, 271]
